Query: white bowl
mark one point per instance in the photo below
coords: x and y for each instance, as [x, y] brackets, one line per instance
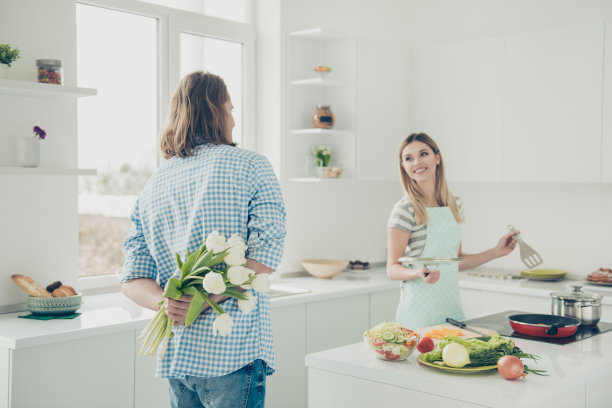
[323, 268]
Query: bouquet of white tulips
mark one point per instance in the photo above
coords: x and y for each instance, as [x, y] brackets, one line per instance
[199, 278]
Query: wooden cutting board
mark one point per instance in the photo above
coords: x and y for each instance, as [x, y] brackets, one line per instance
[466, 334]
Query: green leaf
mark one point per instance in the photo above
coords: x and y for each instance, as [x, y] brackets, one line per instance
[191, 290]
[195, 308]
[173, 290]
[235, 293]
[215, 306]
[186, 268]
[217, 259]
[178, 260]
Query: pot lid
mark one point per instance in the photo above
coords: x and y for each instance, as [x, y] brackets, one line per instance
[576, 294]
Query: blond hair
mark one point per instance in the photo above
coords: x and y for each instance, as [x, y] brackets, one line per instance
[442, 194]
[196, 115]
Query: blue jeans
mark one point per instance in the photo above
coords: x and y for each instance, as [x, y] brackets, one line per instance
[245, 388]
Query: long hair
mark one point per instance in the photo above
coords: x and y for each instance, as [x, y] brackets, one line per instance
[196, 115]
[442, 193]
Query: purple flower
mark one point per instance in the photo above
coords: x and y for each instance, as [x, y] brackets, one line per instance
[39, 132]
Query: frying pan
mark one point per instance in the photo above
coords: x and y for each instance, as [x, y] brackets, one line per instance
[543, 325]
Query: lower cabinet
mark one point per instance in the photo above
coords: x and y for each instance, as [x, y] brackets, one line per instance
[149, 390]
[287, 387]
[383, 306]
[92, 372]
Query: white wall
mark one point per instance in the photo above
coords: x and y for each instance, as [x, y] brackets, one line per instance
[38, 215]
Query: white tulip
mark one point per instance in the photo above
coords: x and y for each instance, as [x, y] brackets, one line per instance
[247, 305]
[236, 241]
[222, 324]
[213, 283]
[237, 275]
[261, 283]
[235, 258]
[216, 242]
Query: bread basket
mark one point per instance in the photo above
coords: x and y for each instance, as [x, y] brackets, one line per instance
[54, 305]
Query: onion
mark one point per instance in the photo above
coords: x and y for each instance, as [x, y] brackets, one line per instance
[510, 367]
[455, 355]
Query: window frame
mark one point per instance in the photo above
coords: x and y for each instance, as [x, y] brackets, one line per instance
[170, 24]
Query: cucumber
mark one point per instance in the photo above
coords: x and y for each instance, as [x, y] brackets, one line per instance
[388, 336]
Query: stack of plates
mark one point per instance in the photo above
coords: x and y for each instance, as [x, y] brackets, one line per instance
[544, 274]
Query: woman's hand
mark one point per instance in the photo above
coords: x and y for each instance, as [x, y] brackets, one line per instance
[177, 309]
[506, 244]
[430, 276]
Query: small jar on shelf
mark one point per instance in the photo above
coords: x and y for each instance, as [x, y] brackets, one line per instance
[323, 118]
[50, 71]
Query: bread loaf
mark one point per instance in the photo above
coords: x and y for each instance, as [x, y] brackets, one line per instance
[29, 286]
[64, 291]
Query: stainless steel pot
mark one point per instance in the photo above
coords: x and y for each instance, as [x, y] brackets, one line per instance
[577, 304]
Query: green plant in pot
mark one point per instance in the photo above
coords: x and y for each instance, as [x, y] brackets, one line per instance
[7, 56]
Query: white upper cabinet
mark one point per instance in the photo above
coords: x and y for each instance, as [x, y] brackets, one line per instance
[553, 105]
[306, 89]
[383, 109]
[457, 99]
[606, 155]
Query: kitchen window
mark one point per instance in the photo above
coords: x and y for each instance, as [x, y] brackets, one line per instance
[135, 67]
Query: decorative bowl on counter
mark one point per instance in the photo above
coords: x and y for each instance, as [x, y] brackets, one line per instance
[391, 341]
[54, 305]
[332, 171]
[324, 268]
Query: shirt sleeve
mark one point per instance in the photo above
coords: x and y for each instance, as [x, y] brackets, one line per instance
[266, 220]
[138, 260]
[402, 217]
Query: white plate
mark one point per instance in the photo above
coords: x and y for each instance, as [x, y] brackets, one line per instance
[599, 283]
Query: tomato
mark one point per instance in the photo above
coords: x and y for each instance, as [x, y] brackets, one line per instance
[378, 343]
[425, 345]
[510, 367]
[390, 356]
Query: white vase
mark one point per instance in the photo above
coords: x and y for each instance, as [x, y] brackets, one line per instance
[28, 151]
[321, 172]
[3, 71]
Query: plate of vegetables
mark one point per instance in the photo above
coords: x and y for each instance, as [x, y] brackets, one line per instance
[478, 354]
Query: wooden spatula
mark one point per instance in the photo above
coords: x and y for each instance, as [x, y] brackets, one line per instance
[529, 256]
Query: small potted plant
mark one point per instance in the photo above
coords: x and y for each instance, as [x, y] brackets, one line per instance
[322, 153]
[7, 56]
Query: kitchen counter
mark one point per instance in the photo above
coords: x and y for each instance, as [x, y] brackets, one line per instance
[112, 313]
[579, 375]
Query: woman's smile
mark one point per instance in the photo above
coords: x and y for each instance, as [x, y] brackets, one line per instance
[419, 161]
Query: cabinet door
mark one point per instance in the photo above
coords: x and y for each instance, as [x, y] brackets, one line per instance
[606, 155]
[553, 100]
[289, 381]
[149, 391]
[336, 322]
[457, 99]
[92, 372]
[471, 301]
[383, 306]
[383, 109]
[495, 302]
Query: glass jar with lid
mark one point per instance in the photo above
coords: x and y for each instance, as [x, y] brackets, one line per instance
[323, 118]
[50, 71]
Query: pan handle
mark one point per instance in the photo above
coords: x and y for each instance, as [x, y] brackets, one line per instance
[554, 329]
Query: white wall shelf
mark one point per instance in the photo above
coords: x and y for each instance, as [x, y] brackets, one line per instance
[314, 131]
[45, 171]
[30, 88]
[317, 34]
[319, 179]
[320, 82]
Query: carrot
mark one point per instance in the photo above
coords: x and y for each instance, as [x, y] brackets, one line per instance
[443, 332]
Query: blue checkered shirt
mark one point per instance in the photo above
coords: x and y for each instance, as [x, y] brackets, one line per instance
[222, 188]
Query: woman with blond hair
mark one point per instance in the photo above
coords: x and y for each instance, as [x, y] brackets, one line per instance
[207, 184]
[425, 223]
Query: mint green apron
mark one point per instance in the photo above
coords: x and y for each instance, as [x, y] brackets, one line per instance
[423, 305]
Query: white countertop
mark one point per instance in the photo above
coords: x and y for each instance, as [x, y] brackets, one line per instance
[568, 366]
[111, 313]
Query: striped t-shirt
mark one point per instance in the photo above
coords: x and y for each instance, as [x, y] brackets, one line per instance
[402, 218]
